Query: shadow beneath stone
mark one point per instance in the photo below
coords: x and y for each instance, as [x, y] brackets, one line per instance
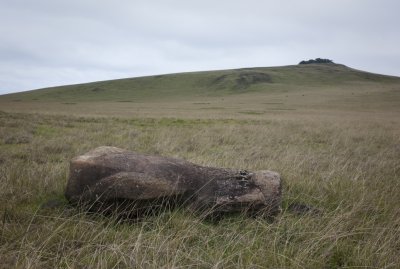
[304, 209]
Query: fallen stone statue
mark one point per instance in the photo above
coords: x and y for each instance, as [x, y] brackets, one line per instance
[108, 177]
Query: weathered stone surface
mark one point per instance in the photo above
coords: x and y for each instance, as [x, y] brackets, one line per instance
[109, 175]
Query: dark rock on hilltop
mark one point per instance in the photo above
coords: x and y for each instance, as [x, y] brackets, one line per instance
[317, 61]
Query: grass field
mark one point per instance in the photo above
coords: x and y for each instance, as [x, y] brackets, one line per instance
[333, 133]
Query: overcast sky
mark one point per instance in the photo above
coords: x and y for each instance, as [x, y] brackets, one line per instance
[55, 42]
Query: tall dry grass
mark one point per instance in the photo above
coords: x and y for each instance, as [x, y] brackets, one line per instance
[347, 167]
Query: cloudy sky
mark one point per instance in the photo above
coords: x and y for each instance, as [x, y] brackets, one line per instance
[54, 42]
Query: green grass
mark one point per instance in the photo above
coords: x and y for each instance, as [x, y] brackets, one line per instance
[332, 132]
[240, 93]
[206, 84]
[347, 168]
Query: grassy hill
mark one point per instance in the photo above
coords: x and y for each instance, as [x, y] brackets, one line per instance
[207, 84]
[237, 93]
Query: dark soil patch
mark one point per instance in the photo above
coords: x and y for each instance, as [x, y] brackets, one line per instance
[248, 78]
[98, 89]
[241, 80]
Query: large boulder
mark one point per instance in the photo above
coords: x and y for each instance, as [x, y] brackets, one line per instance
[109, 176]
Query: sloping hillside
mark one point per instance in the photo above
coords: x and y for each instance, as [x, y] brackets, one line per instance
[182, 86]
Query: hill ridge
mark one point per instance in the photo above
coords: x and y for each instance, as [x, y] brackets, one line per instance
[206, 83]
